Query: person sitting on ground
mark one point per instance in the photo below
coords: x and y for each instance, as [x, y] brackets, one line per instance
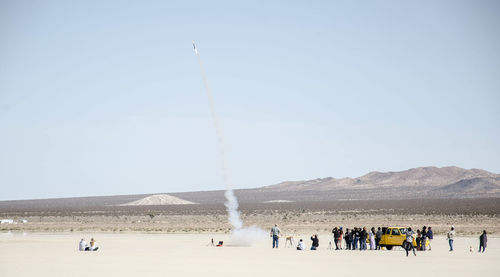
[430, 236]
[482, 241]
[408, 243]
[93, 245]
[300, 246]
[315, 242]
[83, 246]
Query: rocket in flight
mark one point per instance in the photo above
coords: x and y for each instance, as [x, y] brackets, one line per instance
[194, 47]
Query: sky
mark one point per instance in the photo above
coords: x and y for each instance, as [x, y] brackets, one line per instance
[106, 97]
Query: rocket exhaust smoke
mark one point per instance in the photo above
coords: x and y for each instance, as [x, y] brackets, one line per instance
[240, 235]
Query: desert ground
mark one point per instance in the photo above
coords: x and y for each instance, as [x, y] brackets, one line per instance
[139, 254]
[171, 240]
[469, 216]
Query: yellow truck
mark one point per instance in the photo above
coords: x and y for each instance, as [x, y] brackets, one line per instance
[395, 236]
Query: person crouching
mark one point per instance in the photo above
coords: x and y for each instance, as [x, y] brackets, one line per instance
[300, 246]
[315, 242]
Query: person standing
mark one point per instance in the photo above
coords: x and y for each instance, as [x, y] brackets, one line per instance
[419, 240]
[315, 242]
[430, 236]
[348, 238]
[409, 242]
[378, 237]
[362, 239]
[336, 235]
[424, 238]
[482, 241]
[275, 234]
[372, 238]
[451, 237]
[357, 236]
[341, 236]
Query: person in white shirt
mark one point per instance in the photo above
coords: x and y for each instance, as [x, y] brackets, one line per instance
[83, 246]
[93, 245]
[451, 237]
[301, 246]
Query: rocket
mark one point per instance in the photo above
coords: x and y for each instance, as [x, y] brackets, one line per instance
[194, 47]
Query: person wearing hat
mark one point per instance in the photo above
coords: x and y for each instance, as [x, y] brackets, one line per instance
[451, 237]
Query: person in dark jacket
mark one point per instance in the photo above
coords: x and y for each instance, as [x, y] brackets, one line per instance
[418, 240]
[315, 242]
[482, 241]
[430, 236]
[347, 238]
[378, 237]
[362, 239]
[336, 236]
[357, 235]
[424, 238]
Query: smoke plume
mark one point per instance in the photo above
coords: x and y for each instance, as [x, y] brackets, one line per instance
[240, 235]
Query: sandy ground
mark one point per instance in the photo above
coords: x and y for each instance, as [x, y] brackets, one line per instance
[294, 222]
[56, 254]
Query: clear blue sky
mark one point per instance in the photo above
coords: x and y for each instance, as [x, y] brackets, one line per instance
[106, 97]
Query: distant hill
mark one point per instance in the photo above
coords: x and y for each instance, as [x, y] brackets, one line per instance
[412, 178]
[159, 199]
[415, 183]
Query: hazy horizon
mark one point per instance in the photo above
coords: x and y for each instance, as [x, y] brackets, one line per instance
[106, 98]
[222, 189]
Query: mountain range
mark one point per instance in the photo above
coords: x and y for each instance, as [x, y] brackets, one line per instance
[416, 183]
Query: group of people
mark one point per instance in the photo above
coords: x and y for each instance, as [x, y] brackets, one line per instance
[356, 238]
[359, 238]
[83, 246]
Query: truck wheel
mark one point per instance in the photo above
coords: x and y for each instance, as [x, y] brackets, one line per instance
[388, 247]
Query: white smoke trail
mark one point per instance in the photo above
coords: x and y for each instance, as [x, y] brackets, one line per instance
[240, 235]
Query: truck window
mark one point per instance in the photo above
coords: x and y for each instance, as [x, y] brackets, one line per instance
[402, 230]
[388, 231]
[395, 232]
